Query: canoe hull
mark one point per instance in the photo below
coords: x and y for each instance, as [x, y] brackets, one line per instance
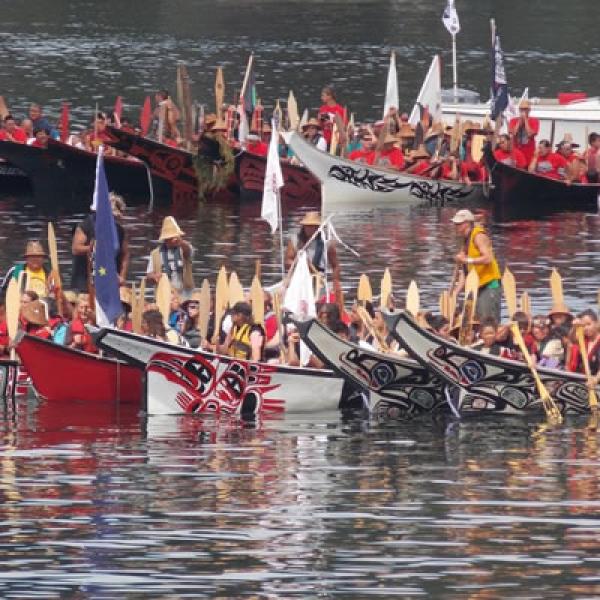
[64, 374]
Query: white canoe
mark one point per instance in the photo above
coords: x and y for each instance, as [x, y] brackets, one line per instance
[182, 380]
[346, 182]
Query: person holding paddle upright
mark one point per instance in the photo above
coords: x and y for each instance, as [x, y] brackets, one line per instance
[477, 254]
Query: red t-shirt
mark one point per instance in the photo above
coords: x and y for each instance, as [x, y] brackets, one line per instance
[78, 328]
[37, 144]
[18, 135]
[514, 159]
[360, 155]
[258, 148]
[521, 141]
[270, 326]
[330, 111]
[390, 158]
[474, 171]
[422, 166]
[446, 171]
[4, 339]
[552, 165]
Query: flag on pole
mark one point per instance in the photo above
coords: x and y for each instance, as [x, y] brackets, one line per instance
[499, 83]
[391, 89]
[248, 95]
[450, 18]
[106, 281]
[146, 116]
[273, 182]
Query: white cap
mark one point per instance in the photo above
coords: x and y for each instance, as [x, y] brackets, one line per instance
[463, 215]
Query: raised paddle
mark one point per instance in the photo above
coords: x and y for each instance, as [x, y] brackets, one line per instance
[292, 109]
[4, 112]
[593, 399]
[468, 312]
[53, 249]
[163, 298]
[412, 299]
[334, 139]
[257, 298]
[477, 143]
[185, 102]
[444, 304]
[236, 291]
[525, 304]
[552, 411]
[221, 300]
[219, 93]
[13, 306]
[364, 292]
[204, 309]
[137, 307]
[386, 288]
[556, 288]
[510, 292]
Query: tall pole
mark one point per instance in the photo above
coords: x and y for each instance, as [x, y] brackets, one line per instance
[281, 235]
[454, 77]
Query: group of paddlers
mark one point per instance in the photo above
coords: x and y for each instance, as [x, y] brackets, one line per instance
[254, 326]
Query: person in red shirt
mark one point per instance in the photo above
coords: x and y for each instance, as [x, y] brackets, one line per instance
[329, 112]
[470, 170]
[80, 337]
[592, 157]
[547, 163]
[41, 138]
[364, 154]
[448, 169]
[11, 132]
[390, 156]
[420, 162]
[507, 154]
[255, 145]
[523, 129]
[35, 321]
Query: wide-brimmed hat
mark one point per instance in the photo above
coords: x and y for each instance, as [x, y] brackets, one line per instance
[524, 104]
[390, 139]
[35, 313]
[469, 125]
[420, 152]
[170, 229]
[34, 248]
[462, 216]
[312, 123]
[219, 125]
[567, 140]
[195, 296]
[560, 309]
[125, 295]
[406, 131]
[435, 130]
[312, 217]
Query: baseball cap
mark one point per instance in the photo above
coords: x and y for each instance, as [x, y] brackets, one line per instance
[463, 215]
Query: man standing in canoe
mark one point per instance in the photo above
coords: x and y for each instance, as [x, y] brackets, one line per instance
[478, 254]
[524, 129]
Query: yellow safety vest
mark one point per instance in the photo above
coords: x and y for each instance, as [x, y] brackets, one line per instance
[240, 344]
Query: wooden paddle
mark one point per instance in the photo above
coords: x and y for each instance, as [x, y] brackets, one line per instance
[278, 316]
[444, 304]
[386, 288]
[257, 298]
[525, 304]
[219, 93]
[334, 139]
[552, 411]
[510, 292]
[477, 143]
[221, 300]
[185, 102]
[137, 308]
[53, 250]
[258, 269]
[236, 291]
[4, 112]
[304, 119]
[162, 298]
[204, 309]
[556, 288]
[292, 108]
[593, 399]
[364, 292]
[13, 307]
[412, 299]
[468, 312]
[277, 115]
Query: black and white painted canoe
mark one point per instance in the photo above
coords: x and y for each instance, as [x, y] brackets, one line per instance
[487, 383]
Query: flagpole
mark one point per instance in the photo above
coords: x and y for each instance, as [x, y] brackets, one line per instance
[454, 77]
[280, 234]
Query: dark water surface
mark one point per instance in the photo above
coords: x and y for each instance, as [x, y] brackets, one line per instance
[97, 502]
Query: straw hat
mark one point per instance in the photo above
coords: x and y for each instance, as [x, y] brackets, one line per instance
[469, 125]
[35, 313]
[390, 139]
[435, 130]
[420, 152]
[560, 309]
[34, 248]
[169, 229]
[311, 123]
[219, 125]
[524, 104]
[125, 295]
[406, 131]
[312, 217]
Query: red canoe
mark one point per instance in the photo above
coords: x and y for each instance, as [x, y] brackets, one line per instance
[59, 373]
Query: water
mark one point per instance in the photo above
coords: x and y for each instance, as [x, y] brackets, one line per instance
[98, 502]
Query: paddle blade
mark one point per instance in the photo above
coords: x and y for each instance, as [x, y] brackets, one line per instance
[236, 291]
[292, 108]
[204, 309]
[4, 112]
[525, 304]
[477, 143]
[593, 399]
[364, 292]
[221, 300]
[136, 310]
[13, 305]
[510, 292]
[219, 92]
[472, 283]
[556, 288]
[412, 299]
[163, 297]
[386, 288]
[53, 250]
[257, 298]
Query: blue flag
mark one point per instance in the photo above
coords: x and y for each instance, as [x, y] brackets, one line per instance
[499, 84]
[248, 100]
[106, 281]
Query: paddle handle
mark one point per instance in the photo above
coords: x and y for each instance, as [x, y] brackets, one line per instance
[586, 364]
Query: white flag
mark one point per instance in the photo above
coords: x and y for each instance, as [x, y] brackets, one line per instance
[450, 18]
[243, 129]
[273, 182]
[300, 298]
[391, 90]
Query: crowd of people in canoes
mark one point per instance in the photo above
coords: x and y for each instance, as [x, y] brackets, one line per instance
[61, 315]
[429, 149]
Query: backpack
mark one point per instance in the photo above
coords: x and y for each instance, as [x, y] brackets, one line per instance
[62, 334]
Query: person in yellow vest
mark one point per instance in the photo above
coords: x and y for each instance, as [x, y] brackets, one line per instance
[478, 254]
[245, 340]
[174, 257]
[35, 278]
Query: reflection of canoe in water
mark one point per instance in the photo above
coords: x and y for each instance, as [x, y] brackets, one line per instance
[487, 383]
[520, 194]
[64, 176]
[191, 381]
[348, 182]
[59, 373]
[300, 186]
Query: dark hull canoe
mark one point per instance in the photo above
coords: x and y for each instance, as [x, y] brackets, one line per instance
[64, 176]
[395, 387]
[300, 186]
[12, 179]
[519, 194]
[59, 373]
[487, 383]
